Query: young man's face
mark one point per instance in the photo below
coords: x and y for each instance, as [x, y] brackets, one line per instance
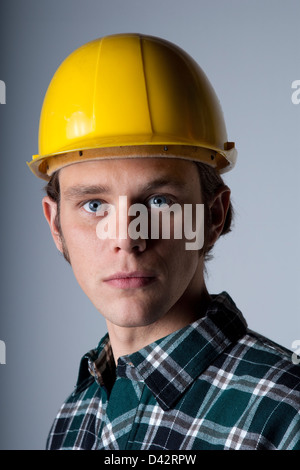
[131, 282]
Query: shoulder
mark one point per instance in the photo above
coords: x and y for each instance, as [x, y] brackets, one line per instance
[263, 383]
[269, 369]
[259, 367]
[263, 351]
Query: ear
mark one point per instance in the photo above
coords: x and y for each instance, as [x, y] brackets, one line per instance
[218, 211]
[50, 212]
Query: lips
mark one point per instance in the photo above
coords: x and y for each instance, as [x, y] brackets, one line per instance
[130, 280]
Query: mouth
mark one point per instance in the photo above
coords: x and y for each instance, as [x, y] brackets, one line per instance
[131, 280]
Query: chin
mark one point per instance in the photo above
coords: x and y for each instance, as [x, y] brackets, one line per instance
[130, 315]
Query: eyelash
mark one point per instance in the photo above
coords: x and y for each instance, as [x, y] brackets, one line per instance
[169, 200]
[84, 203]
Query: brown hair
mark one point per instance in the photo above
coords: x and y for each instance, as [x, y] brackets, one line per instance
[52, 189]
[210, 180]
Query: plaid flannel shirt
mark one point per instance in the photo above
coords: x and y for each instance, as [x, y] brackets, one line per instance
[211, 385]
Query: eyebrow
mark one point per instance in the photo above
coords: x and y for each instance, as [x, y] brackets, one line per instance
[78, 191]
[160, 182]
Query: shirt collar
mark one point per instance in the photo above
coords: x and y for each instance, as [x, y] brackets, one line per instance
[170, 365]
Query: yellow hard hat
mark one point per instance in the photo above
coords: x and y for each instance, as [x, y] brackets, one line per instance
[130, 95]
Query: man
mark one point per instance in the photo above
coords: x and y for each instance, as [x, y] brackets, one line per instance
[132, 143]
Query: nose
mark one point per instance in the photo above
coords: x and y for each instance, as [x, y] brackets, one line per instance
[129, 245]
[128, 238]
[128, 233]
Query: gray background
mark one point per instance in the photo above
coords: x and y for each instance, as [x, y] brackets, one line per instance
[250, 51]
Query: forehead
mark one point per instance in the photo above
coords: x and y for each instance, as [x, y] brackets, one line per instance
[130, 171]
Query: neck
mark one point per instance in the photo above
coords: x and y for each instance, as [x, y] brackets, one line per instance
[126, 341]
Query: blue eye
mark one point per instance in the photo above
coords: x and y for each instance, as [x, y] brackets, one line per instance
[159, 202]
[92, 206]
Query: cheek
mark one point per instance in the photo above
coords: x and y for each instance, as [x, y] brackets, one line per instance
[84, 248]
[181, 264]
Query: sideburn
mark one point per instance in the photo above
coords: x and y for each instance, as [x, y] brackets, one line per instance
[53, 191]
[61, 235]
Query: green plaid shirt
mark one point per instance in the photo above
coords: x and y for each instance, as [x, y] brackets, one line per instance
[211, 385]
